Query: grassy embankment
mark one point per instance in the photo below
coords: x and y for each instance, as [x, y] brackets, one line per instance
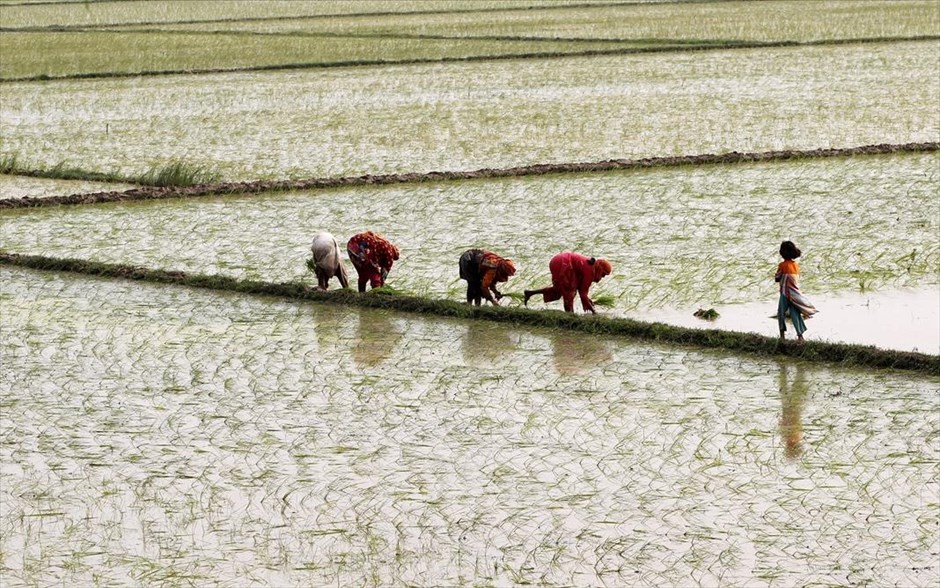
[749, 343]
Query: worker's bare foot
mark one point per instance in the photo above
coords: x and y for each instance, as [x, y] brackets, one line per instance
[526, 294]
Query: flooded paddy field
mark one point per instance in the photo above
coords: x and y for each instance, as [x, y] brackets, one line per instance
[27, 187]
[118, 41]
[677, 237]
[167, 436]
[650, 25]
[463, 116]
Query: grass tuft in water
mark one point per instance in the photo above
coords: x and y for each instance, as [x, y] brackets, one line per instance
[708, 315]
[178, 173]
[8, 164]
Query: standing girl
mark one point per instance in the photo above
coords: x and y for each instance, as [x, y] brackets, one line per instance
[792, 300]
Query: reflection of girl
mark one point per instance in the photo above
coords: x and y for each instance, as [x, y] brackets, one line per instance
[483, 270]
[792, 398]
[572, 273]
[791, 299]
[372, 256]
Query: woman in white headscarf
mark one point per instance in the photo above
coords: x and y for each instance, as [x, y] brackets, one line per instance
[326, 262]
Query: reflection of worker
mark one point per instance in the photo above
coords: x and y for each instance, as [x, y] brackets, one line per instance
[577, 353]
[792, 397]
[372, 256]
[488, 344]
[572, 273]
[377, 339]
[326, 262]
[483, 270]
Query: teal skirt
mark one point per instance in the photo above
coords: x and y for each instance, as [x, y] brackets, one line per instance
[783, 309]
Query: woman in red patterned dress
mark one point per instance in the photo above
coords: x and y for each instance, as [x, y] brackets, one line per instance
[372, 256]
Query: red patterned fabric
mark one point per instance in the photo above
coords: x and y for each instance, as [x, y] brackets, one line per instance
[372, 255]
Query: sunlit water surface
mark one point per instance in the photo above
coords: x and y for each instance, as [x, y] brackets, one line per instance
[165, 436]
[906, 320]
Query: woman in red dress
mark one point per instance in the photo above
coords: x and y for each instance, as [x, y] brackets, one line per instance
[372, 256]
[572, 273]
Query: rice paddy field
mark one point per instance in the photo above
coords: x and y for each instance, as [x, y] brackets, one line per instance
[160, 435]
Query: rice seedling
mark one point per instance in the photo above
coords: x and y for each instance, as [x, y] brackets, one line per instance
[654, 272]
[604, 300]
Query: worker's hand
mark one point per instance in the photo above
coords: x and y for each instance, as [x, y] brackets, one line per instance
[499, 296]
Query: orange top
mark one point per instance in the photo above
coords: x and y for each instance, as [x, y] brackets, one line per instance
[788, 267]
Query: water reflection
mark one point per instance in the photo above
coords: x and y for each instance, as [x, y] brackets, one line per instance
[576, 354]
[330, 324]
[792, 397]
[487, 343]
[376, 338]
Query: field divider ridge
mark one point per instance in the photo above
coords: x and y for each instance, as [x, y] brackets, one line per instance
[263, 186]
[732, 341]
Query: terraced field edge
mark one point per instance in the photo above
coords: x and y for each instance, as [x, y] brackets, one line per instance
[262, 186]
[747, 343]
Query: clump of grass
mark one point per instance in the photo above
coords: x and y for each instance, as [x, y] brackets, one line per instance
[178, 173]
[708, 315]
[311, 265]
[388, 291]
[8, 164]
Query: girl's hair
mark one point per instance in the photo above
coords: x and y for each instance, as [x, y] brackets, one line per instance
[789, 251]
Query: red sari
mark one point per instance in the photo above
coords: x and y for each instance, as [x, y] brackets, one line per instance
[372, 256]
